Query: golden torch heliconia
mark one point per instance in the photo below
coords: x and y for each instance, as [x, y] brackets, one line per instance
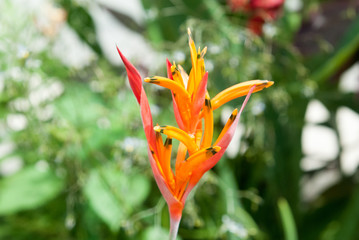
[197, 152]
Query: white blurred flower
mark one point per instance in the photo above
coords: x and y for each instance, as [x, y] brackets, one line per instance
[10, 166]
[16, 122]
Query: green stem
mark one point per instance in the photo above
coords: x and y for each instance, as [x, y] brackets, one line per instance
[174, 228]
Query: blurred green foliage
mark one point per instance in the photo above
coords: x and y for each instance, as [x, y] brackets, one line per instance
[76, 136]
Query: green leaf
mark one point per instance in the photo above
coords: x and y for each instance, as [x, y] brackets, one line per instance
[236, 214]
[28, 189]
[290, 231]
[79, 106]
[349, 220]
[346, 49]
[81, 21]
[114, 195]
[155, 233]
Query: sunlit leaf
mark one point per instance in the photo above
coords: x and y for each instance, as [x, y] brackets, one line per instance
[28, 189]
[114, 195]
[290, 231]
[155, 233]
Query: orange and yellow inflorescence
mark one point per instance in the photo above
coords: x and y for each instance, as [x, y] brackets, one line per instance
[192, 106]
[193, 109]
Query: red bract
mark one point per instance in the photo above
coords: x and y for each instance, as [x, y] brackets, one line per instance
[267, 4]
[192, 105]
[260, 11]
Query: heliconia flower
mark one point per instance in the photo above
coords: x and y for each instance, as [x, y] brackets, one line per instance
[197, 152]
[260, 11]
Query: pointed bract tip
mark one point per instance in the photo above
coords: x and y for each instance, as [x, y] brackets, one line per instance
[265, 83]
[217, 148]
[119, 52]
[270, 83]
[189, 31]
[134, 77]
[204, 51]
[213, 150]
[234, 114]
[147, 80]
[159, 129]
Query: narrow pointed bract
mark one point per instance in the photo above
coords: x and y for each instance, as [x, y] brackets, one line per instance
[192, 105]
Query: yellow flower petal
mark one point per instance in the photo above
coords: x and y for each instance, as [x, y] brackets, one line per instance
[239, 90]
[228, 124]
[185, 168]
[166, 163]
[177, 77]
[208, 123]
[180, 135]
[170, 84]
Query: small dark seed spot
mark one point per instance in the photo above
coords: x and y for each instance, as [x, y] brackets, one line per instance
[168, 142]
[207, 102]
[212, 150]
